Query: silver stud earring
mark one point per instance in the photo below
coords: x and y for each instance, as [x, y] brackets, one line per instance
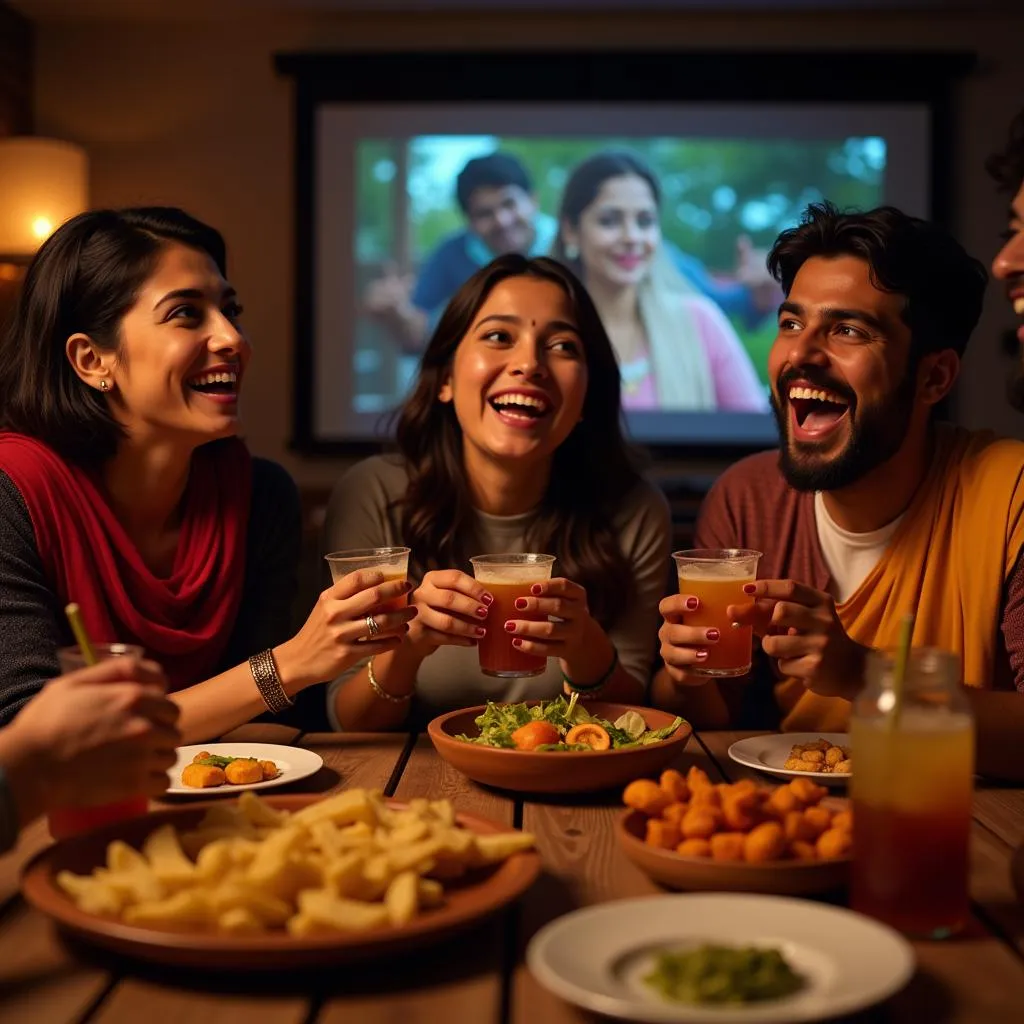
[572, 252]
[104, 385]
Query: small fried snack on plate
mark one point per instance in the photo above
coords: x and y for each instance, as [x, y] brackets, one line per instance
[689, 833]
[252, 771]
[276, 882]
[773, 755]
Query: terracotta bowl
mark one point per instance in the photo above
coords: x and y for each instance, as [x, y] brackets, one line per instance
[466, 901]
[555, 771]
[784, 877]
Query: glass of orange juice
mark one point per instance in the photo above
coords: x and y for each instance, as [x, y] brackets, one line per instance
[716, 576]
[72, 821]
[912, 790]
[393, 562]
[507, 577]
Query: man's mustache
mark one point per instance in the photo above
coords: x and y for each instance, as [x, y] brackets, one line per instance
[813, 378]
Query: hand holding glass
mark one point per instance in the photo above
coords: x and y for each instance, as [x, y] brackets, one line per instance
[507, 577]
[72, 821]
[716, 577]
[392, 562]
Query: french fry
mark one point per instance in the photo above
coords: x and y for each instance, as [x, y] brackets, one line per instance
[348, 863]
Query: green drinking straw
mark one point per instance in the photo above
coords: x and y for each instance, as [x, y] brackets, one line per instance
[899, 668]
[74, 614]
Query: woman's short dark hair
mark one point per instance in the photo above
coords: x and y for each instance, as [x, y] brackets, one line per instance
[83, 279]
[585, 183]
[592, 469]
[941, 284]
[1007, 166]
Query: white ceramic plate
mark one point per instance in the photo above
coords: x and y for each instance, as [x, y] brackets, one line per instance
[769, 753]
[293, 762]
[597, 957]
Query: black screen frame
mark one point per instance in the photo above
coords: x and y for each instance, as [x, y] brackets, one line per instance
[664, 76]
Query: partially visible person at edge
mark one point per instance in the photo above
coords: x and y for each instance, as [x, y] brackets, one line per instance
[496, 195]
[511, 441]
[1007, 168]
[95, 736]
[676, 349]
[124, 485]
[870, 509]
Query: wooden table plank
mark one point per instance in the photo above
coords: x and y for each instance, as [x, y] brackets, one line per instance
[176, 1000]
[1001, 809]
[429, 775]
[40, 980]
[458, 979]
[583, 865]
[354, 760]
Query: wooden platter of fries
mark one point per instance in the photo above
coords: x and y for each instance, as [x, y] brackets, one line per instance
[281, 882]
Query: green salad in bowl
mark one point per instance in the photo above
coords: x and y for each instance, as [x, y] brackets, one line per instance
[562, 724]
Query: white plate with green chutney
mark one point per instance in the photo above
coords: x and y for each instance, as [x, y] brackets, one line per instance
[601, 957]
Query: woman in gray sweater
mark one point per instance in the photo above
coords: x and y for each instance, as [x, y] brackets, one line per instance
[510, 441]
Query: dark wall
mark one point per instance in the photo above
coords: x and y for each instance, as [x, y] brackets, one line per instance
[16, 46]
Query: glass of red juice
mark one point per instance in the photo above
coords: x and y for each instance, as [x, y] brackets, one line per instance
[72, 821]
[392, 562]
[507, 577]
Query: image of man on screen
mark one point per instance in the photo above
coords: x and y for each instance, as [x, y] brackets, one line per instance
[495, 193]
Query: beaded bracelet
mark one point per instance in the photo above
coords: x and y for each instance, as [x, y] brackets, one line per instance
[380, 691]
[591, 689]
[268, 682]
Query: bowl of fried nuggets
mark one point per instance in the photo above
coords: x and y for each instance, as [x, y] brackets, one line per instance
[689, 833]
[281, 882]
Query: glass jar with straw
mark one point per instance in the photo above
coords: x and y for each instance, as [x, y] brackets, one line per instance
[71, 821]
[912, 735]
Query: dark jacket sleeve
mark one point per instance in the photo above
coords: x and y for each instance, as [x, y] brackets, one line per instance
[30, 620]
[266, 615]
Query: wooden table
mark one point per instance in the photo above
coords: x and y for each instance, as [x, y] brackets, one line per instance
[478, 976]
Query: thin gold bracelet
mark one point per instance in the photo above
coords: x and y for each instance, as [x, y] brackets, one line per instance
[380, 691]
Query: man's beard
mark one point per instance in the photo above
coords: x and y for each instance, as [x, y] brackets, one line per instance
[876, 434]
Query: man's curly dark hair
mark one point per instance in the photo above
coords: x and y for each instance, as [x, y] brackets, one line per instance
[1007, 166]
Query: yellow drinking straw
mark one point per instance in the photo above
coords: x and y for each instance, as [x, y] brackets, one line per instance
[74, 614]
[899, 668]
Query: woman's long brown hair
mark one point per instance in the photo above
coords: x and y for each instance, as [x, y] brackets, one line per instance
[592, 470]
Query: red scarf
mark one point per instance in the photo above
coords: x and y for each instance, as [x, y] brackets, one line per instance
[184, 621]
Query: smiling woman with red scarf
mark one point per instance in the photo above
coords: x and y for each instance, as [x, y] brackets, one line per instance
[125, 488]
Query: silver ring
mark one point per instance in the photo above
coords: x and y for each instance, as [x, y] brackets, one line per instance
[371, 625]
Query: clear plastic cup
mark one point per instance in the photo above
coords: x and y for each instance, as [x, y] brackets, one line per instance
[716, 577]
[73, 821]
[507, 577]
[392, 562]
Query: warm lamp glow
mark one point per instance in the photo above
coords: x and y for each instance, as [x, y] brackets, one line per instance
[43, 182]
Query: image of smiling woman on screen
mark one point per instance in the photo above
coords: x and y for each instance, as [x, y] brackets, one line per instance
[676, 348]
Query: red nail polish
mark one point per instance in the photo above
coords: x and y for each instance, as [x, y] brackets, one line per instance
[510, 626]
[517, 642]
[488, 599]
[749, 588]
[536, 590]
[701, 655]
[481, 613]
[521, 603]
[692, 604]
[480, 631]
[712, 634]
